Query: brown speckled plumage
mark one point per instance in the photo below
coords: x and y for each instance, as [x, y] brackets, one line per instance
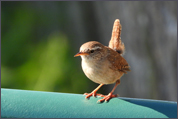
[102, 64]
[118, 62]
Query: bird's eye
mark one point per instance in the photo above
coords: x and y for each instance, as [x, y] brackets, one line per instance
[92, 51]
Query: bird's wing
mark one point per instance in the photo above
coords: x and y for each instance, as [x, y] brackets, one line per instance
[118, 62]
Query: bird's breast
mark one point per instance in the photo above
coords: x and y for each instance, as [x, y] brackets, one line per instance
[99, 71]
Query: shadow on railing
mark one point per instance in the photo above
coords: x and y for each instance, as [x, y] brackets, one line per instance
[38, 104]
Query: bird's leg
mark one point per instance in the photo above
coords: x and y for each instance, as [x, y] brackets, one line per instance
[110, 95]
[93, 93]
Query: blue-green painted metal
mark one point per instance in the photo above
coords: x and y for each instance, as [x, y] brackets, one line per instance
[38, 104]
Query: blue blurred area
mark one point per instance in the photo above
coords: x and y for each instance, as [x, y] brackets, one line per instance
[40, 104]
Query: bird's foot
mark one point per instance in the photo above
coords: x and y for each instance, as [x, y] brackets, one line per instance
[94, 94]
[107, 97]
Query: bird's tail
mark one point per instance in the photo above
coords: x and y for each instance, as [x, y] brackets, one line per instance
[115, 42]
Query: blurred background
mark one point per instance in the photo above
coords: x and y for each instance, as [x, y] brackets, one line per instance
[39, 41]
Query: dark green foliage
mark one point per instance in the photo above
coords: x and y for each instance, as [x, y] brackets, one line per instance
[35, 54]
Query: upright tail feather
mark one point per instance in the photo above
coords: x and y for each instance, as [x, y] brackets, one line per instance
[115, 42]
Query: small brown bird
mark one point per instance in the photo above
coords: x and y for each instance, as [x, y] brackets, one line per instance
[102, 64]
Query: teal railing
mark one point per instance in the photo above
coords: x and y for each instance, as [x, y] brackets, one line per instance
[38, 104]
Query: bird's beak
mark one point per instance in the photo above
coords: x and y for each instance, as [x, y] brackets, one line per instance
[81, 53]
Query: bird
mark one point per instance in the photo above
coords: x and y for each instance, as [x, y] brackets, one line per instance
[104, 64]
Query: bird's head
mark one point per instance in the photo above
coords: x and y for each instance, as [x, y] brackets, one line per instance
[92, 50]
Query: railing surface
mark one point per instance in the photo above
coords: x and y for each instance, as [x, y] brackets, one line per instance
[38, 104]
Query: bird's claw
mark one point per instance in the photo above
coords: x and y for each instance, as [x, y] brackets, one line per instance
[107, 97]
[90, 94]
[94, 94]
